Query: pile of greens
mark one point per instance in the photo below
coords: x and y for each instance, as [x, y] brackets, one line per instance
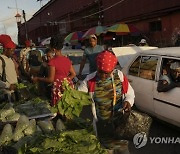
[72, 101]
[66, 142]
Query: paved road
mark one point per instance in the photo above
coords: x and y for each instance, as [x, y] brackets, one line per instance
[158, 129]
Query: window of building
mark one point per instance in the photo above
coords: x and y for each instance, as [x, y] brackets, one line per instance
[144, 67]
[155, 26]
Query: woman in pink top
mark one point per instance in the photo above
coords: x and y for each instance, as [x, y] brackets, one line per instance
[60, 68]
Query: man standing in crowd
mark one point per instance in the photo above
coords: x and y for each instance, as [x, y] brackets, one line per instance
[34, 60]
[90, 53]
[8, 75]
[143, 42]
[23, 56]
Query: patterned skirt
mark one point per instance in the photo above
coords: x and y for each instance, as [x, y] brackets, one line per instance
[57, 90]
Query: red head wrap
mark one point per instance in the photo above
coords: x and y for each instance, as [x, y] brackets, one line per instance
[28, 43]
[6, 41]
[106, 61]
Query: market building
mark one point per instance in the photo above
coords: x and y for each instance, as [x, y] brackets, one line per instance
[157, 21]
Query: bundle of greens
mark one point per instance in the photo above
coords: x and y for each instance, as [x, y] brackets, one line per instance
[72, 101]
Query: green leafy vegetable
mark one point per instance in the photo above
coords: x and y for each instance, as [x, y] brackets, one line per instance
[72, 101]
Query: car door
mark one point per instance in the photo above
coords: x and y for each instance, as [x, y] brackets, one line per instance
[141, 75]
[167, 104]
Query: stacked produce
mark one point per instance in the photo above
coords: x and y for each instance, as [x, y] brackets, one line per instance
[48, 137]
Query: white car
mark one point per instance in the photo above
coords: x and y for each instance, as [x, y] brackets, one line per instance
[75, 55]
[143, 68]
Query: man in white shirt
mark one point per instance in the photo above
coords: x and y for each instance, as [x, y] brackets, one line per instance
[8, 84]
[23, 54]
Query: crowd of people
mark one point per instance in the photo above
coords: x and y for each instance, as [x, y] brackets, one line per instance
[108, 87]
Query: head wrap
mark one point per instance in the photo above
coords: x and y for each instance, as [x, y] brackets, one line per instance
[106, 61]
[175, 65]
[6, 41]
[28, 43]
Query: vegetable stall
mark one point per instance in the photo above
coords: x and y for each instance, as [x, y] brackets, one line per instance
[31, 125]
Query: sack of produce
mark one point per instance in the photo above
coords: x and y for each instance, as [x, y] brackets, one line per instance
[6, 134]
[31, 127]
[13, 117]
[46, 126]
[60, 125]
[6, 111]
[21, 125]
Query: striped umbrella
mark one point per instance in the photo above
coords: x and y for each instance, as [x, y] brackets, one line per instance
[122, 29]
[74, 36]
[95, 30]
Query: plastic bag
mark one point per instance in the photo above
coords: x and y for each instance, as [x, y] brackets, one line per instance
[6, 134]
[46, 126]
[31, 127]
[133, 123]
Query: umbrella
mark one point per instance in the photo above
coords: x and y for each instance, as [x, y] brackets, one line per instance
[95, 30]
[46, 41]
[74, 36]
[123, 29]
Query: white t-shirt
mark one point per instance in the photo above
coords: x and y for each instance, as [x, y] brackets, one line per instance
[11, 75]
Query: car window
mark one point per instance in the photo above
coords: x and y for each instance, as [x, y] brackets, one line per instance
[134, 69]
[148, 67]
[144, 67]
